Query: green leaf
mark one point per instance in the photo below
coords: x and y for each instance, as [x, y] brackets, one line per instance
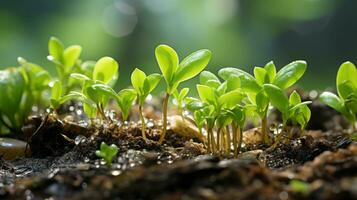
[168, 61]
[193, 104]
[71, 55]
[107, 152]
[294, 98]
[55, 48]
[81, 77]
[230, 99]
[261, 75]
[153, 80]
[137, 80]
[56, 91]
[332, 100]
[12, 87]
[346, 74]
[290, 74]
[206, 76]
[247, 81]
[233, 82]
[271, 70]
[192, 65]
[206, 94]
[262, 102]
[277, 97]
[37, 79]
[105, 70]
[126, 98]
[303, 116]
[183, 93]
[345, 89]
[105, 90]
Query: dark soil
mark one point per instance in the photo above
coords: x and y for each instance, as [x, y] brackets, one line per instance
[63, 165]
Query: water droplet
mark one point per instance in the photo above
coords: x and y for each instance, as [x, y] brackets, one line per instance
[71, 108]
[116, 172]
[313, 94]
[150, 124]
[79, 139]
[79, 112]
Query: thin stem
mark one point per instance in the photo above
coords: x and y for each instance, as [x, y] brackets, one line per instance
[240, 139]
[164, 117]
[210, 131]
[264, 130]
[228, 144]
[209, 142]
[218, 139]
[143, 126]
[235, 143]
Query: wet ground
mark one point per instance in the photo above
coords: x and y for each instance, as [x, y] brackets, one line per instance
[63, 165]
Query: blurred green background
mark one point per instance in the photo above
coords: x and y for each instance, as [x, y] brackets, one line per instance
[240, 33]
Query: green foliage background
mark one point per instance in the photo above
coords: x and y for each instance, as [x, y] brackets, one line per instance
[240, 33]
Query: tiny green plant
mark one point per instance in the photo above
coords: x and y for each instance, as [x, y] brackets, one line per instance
[218, 107]
[143, 86]
[253, 86]
[175, 72]
[66, 61]
[346, 101]
[107, 152]
[291, 109]
[22, 88]
[96, 88]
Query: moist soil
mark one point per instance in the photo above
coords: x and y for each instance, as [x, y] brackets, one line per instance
[63, 165]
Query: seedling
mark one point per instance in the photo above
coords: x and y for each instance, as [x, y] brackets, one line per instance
[291, 109]
[21, 89]
[180, 100]
[218, 106]
[175, 73]
[346, 101]
[143, 86]
[66, 61]
[253, 86]
[96, 88]
[107, 152]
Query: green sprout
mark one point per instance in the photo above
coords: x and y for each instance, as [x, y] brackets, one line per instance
[253, 86]
[176, 72]
[291, 109]
[125, 99]
[218, 107]
[143, 86]
[346, 101]
[105, 73]
[21, 89]
[107, 152]
[66, 61]
[180, 98]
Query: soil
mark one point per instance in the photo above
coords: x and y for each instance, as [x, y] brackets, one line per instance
[63, 164]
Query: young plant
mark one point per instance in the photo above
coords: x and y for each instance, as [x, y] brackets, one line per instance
[180, 98]
[107, 152]
[216, 99]
[21, 89]
[105, 73]
[346, 101]
[66, 61]
[253, 86]
[291, 109]
[143, 86]
[176, 72]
